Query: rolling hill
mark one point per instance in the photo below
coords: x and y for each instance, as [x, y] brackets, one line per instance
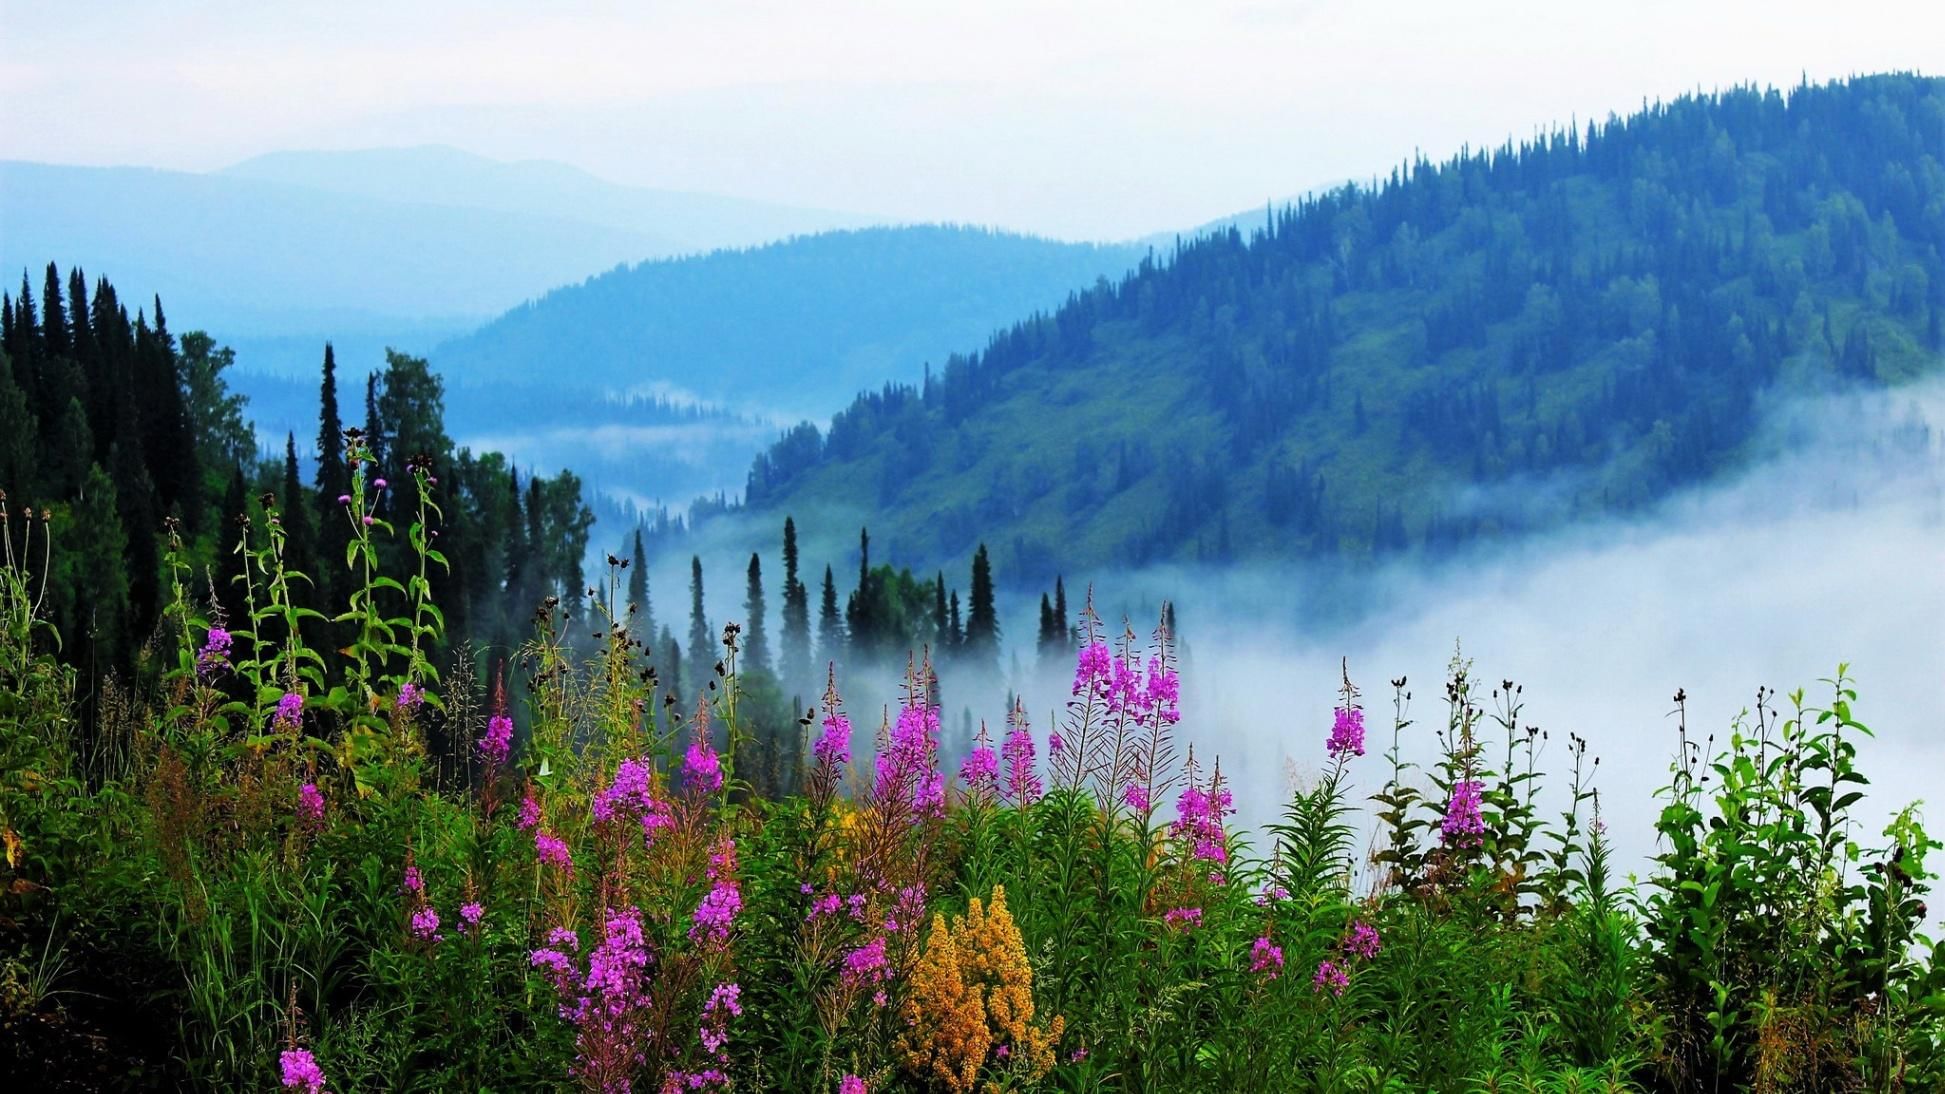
[791, 328]
[1496, 343]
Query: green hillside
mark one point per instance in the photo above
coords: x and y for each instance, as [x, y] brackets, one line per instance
[792, 327]
[1499, 342]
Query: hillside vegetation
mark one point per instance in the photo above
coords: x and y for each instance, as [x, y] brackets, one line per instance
[796, 326]
[1602, 310]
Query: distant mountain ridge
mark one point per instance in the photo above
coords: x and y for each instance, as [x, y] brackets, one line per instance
[1494, 344]
[794, 327]
[682, 222]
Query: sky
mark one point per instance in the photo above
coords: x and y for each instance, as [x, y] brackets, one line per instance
[1073, 119]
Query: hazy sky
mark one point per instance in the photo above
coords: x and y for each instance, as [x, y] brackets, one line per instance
[1084, 119]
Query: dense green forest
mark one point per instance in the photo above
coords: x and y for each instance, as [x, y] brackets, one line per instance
[1602, 308]
[120, 438]
[795, 326]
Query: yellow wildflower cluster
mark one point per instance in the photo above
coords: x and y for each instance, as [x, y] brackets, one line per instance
[972, 995]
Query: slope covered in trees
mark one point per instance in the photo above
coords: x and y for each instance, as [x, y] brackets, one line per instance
[120, 443]
[1601, 309]
[797, 326]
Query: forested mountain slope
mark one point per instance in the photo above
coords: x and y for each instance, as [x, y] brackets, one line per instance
[1502, 341]
[797, 326]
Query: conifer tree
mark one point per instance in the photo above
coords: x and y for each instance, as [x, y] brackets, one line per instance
[1067, 636]
[756, 644]
[794, 652]
[333, 482]
[1050, 638]
[940, 621]
[956, 631]
[982, 643]
[701, 643]
[376, 437]
[98, 609]
[54, 321]
[644, 617]
[830, 625]
[18, 434]
[671, 669]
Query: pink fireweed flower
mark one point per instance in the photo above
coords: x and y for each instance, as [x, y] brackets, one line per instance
[1161, 694]
[1463, 825]
[724, 1003]
[1125, 688]
[851, 1084]
[981, 771]
[410, 698]
[425, 925]
[833, 748]
[1136, 797]
[215, 654]
[1022, 785]
[1182, 918]
[609, 1005]
[552, 850]
[1346, 734]
[702, 768]
[717, 913]
[310, 805]
[496, 744]
[290, 712]
[1363, 941]
[529, 812]
[301, 1071]
[867, 964]
[1093, 670]
[1266, 956]
[470, 914]
[414, 881]
[1330, 978]
[631, 797]
[907, 767]
[1199, 820]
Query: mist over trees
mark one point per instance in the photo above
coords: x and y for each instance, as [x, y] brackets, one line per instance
[1599, 308]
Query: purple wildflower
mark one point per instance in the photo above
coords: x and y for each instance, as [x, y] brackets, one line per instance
[379, 483]
[470, 914]
[425, 925]
[310, 805]
[1463, 825]
[1093, 670]
[1346, 734]
[1136, 797]
[1022, 785]
[1200, 813]
[702, 768]
[414, 881]
[1330, 978]
[301, 1071]
[717, 913]
[551, 849]
[290, 712]
[215, 654]
[1183, 918]
[851, 1084]
[867, 963]
[1363, 941]
[344, 499]
[1266, 956]
[1161, 695]
[724, 1003]
[496, 744]
[529, 811]
[834, 746]
[981, 771]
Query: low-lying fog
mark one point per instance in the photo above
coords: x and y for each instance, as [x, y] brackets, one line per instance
[1830, 548]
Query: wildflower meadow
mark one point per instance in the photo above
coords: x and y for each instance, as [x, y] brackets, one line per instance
[365, 869]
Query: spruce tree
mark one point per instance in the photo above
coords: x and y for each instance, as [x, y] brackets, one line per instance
[18, 434]
[830, 625]
[1049, 639]
[982, 645]
[956, 632]
[671, 670]
[702, 645]
[54, 321]
[643, 621]
[376, 437]
[300, 542]
[1067, 636]
[333, 482]
[794, 661]
[940, 621]
[756, 645]
[97, 587]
